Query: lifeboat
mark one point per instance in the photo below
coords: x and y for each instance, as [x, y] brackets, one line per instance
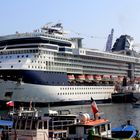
[106, 77]
[71, 77]
[98, 77]
[89, 78]
[114, 77]
[81, 78]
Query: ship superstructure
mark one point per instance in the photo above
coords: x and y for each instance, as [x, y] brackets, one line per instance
[47, 67]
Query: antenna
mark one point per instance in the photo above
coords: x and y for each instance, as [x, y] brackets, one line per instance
[109, 41]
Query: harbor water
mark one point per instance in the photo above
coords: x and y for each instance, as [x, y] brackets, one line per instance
[118, 114]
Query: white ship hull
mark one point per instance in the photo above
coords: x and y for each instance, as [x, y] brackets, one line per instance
[22, 92]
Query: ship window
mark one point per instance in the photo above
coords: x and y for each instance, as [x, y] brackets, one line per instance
[72, 130]
[22, 55]
[17, 124]
[102, 128]
[45, 125]
[23, 124]
[19, 60]
[97, 130]
[26, 55]
[28, 123]
[11, 66]
[8, 94]
[18, 56]
[34, 124]
[108, 126]
[40, 125]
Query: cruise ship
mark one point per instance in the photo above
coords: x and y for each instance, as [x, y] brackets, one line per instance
[47, 67]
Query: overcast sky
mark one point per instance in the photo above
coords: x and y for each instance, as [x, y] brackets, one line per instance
[90, 19]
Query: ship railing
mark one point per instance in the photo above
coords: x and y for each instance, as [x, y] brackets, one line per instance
[33, 34]
[31, 111]
[20, 35]
[61, 124]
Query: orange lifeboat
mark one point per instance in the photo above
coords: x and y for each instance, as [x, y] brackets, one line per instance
[106, 77]
[98, 77]
[80, 77]
[71, 77]
[90, 77]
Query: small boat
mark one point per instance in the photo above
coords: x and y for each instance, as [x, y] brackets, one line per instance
[29, 124]
[88, 127]
[125, 131]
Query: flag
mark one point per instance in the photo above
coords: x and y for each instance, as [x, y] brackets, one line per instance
[10, 103]
[94, 106]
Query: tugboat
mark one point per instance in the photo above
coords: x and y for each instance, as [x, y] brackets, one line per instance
[88, 126]
[82, 129]
[28, 124]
